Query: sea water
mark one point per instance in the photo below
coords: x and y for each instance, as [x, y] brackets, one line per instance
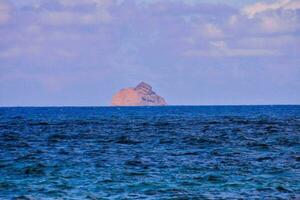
[173, 152]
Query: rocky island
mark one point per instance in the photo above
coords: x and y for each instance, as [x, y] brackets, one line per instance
[141, 95]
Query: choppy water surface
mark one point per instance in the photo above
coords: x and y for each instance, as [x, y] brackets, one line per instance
[239, 152]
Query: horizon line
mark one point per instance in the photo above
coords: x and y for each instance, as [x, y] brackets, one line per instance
[109, 106]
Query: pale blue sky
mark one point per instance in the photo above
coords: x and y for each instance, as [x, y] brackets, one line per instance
[80, 52]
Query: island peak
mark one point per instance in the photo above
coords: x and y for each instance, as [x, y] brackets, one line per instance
[143, 85]
[141, 95]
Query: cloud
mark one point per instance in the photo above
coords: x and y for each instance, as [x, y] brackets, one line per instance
[19, 51]
[221, 49]
[62, 18]
[77, 29]
[267, 19]
[277, 24]
[255, 9]
[5, 11]
[212, 31]
[244, 34]
[78, 12]
[281, 16]
[99, 3]
[281, 42]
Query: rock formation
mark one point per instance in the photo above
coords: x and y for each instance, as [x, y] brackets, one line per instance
[141, 95]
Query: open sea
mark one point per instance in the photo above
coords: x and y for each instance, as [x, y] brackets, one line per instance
[172, 152]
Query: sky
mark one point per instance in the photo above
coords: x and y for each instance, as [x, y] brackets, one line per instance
[192, 52]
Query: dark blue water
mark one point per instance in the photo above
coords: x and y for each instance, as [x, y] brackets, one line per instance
[238, 152]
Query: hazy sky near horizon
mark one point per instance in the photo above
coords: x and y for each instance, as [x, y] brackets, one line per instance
[199, 52]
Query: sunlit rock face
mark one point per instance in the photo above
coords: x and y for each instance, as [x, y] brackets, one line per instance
[141, 95]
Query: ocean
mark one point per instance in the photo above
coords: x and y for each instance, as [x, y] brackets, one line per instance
[172, 152]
